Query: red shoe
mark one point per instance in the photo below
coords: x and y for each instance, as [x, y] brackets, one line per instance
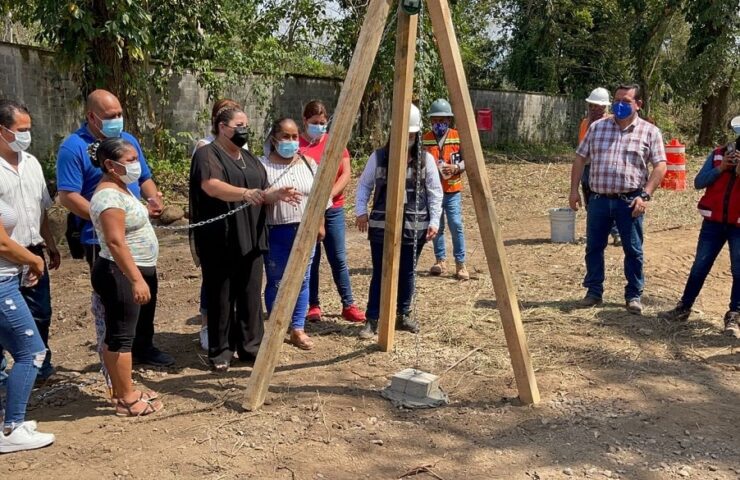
[314, 313]
[353, 314]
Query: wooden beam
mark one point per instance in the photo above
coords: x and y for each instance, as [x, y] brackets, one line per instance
[403, 79]
[344, 117]
[480, 189]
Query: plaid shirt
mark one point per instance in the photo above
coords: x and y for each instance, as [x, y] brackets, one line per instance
[619, 158]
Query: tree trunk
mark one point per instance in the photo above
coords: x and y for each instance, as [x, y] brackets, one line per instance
[714, 110]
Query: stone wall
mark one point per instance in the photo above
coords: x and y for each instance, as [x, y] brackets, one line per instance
[30, 75]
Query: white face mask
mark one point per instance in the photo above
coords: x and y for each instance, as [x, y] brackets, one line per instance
[22, 141]
[133, 172]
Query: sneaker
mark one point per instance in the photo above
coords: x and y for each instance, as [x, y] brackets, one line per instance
[154, 357]
[732, 324]
[370, 329]
[634, 306]
[204, 338]
[616, 240]
[24, 437]
[353, 314]
[405, 322]
[590, 301]
[680, 313]
[314, 313]
[439, 267]
[462, 272]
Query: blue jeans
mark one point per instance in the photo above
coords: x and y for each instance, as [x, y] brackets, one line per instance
[280, 241]
[712, 239]
[452, 208]
[336, 254]
[587, 194]
[602, 213]
[19, 335]
[406, 279]
[38, 299]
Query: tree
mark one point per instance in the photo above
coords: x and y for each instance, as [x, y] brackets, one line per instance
[710, 72]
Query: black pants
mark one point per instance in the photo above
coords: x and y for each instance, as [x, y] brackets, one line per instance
[124, 318]
[144, 338]
[233, 286]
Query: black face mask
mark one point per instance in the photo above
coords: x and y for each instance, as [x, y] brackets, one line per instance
[240, 137]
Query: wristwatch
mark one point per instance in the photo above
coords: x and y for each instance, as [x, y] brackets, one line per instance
[645, 196]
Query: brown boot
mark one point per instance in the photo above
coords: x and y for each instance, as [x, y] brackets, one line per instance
[439, 267]
[462, 272]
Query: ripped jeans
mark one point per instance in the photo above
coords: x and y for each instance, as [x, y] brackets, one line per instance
[20, 337]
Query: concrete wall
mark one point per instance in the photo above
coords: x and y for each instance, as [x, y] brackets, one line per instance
[30, 75]
[529, 118]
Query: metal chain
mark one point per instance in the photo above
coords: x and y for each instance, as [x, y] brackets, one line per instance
[64, 386]
[241, 207]
[420, 157]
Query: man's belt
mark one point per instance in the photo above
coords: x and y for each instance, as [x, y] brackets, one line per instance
[619, 196]
[37, 250]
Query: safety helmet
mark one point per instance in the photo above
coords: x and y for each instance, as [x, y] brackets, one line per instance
[414, 119]
[599, 96]
[735, 125]
[440, 108]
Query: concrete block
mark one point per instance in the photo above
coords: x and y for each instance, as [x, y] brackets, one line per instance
[414, 383]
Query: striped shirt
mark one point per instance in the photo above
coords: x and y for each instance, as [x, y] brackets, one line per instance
[620, 158]
[25, 189]
[298, 175]
[9, 219]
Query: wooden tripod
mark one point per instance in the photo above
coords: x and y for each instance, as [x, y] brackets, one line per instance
[346, 110]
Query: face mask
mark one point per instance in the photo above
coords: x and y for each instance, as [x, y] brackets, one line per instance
[241, 134]
[315, 130]
[133, 172]
[621, 110]
[111, 127]
[287, 148]
[22, 141]
[439, 129]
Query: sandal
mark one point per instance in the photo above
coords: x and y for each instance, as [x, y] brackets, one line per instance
[220, 366]
[298, 338]
[124, 409]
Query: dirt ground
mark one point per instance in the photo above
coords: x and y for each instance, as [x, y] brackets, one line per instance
[622, 396]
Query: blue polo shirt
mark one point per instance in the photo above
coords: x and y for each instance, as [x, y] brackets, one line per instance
[76, 173]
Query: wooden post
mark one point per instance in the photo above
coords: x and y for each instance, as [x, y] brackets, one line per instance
[480, 190]
[397, 160]
[305, 242]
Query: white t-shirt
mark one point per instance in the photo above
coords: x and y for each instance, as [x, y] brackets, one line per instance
[9, 219]
[140, 237]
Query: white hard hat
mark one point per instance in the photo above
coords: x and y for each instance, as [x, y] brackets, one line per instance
[414, 119]
[735, 125]
[599, 96]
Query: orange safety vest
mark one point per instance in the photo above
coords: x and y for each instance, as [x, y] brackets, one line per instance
[450, 154]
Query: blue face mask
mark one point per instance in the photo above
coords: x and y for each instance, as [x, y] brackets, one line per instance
[439, 129]
[315, 130]
[287, 148]
[111, 127]
[621, 110]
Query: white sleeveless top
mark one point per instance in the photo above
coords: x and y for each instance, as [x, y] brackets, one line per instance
[9, 219]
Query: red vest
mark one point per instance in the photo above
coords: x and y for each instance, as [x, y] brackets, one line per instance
[721, 201]
[449, 154]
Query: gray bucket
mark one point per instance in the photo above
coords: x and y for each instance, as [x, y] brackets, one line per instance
[562, 225]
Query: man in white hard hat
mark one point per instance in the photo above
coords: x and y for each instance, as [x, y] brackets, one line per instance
[598, 102]
[421, 212]
[720, 207]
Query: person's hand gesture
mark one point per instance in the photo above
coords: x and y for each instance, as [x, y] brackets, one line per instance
[639, 206]
[55, 259]
[253, 196]
[362, 223]
[431, 233]
[729, 161]
[141, 292]
[289, 195]
[155, 205]
[575, 201]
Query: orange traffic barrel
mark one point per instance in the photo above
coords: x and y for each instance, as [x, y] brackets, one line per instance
[675, 177]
